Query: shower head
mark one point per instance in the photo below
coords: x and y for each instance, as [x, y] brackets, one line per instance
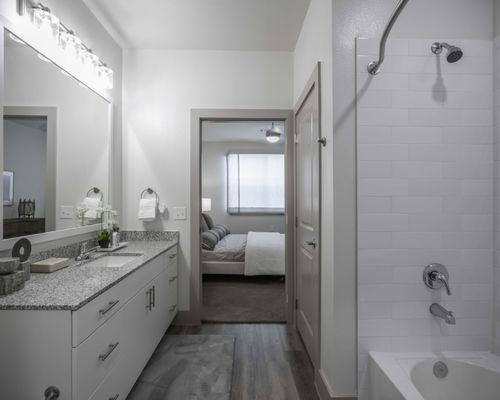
[454, 53]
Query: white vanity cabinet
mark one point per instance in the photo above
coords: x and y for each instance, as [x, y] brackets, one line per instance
[96, 352]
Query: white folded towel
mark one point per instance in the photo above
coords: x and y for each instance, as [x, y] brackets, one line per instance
[91, 204]
[147, 209]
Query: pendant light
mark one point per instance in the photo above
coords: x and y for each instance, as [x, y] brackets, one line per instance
[273, 135]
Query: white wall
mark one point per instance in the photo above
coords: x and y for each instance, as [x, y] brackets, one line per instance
[214, 186]
[425, 191]
[161, 88]
[25, 153]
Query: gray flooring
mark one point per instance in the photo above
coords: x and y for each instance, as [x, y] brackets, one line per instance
[194, 367]
[243, 299]
[270, 362]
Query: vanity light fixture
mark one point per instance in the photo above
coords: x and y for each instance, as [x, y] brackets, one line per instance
[16, 39]
[89, 65]
[43, 58]
[273, 135]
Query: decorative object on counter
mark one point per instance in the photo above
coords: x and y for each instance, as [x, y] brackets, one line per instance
[8, 188]
[8, 265]
[22, 249]
[26, 208]
[12, 282]
[25, 266]
[49, 265]
[104, 239]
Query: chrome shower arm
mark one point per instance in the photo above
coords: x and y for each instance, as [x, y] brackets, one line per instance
[374, 66]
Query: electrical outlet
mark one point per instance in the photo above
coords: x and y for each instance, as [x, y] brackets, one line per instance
[180, 213]
[66, 212]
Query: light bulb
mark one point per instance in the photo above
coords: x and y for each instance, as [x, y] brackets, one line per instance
[106, 77]
[47, 23]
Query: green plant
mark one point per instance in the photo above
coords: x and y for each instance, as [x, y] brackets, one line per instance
[104, 235]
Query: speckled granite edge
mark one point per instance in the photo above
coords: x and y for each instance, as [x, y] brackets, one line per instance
[150, 236]
[122, 274]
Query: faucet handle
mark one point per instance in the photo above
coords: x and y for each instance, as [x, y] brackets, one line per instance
[436, 276]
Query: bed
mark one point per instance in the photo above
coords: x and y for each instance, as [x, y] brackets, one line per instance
[251, 254]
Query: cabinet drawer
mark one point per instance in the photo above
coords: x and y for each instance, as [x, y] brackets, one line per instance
[117, 343]
[87, 319]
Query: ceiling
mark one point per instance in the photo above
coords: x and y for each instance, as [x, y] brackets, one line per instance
[239, 131]
[204, 24]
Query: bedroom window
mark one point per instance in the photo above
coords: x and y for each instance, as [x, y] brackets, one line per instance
[255, 183]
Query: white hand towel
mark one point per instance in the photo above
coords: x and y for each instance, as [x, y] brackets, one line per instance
[91, 204]
[147, 209]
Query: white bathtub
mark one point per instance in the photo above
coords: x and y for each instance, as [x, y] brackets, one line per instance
[410, 376]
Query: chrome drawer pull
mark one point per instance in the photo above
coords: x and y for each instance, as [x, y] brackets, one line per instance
[171, 256]
[112, 348]
[154, 296]
[172, 279]
[111, 304]
[115, 397]
[149, 305]
[173, 307]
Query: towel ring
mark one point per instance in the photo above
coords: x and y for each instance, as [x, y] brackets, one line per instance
[150, 192]
[95, 190]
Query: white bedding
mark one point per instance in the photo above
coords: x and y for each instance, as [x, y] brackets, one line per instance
[265, 254]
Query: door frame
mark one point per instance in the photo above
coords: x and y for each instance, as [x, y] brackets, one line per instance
[198, 116]
[313, 82]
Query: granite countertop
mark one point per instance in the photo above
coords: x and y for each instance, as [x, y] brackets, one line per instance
[73, 287]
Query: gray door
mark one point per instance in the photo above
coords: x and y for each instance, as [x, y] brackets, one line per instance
[307, 126]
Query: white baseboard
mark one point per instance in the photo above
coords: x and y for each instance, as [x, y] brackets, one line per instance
[324, 390]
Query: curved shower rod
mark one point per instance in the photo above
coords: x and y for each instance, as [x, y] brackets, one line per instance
[374, 66]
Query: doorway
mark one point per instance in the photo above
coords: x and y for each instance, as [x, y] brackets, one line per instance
[201, 121]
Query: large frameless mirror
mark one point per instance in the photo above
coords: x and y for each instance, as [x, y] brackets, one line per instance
[56, 145]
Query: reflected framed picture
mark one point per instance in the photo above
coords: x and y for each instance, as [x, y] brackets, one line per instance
[8, 188]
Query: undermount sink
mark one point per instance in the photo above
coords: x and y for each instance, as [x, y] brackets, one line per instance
[113, 261]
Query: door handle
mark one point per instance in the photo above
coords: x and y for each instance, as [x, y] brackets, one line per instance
[172, 279]
[312, 243]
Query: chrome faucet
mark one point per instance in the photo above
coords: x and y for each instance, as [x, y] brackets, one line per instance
[436, 276]
[84, 252]
[439, 311]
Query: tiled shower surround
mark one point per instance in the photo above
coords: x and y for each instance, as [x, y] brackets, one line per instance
[425, 194]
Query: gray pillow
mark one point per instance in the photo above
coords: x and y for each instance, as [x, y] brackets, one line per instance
[209, 220]
[203, 224]
[224, 227]
[209, 240]
[220, 230]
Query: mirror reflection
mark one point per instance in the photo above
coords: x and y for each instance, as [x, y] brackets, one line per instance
[56, 146]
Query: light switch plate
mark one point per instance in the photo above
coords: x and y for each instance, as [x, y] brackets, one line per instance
[66, 212]
[180, 213]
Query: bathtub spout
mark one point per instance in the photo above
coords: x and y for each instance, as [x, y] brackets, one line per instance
[439, 311]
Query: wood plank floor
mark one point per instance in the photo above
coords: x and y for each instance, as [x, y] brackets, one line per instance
[270, 362]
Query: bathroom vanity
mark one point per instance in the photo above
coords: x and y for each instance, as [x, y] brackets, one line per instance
[89, 329]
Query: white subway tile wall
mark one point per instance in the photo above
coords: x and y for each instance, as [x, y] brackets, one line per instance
[425, 194]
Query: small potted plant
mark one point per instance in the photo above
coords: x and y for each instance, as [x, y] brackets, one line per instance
[104, 239]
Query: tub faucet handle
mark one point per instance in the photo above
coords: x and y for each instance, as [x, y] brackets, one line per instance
[436, 276]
